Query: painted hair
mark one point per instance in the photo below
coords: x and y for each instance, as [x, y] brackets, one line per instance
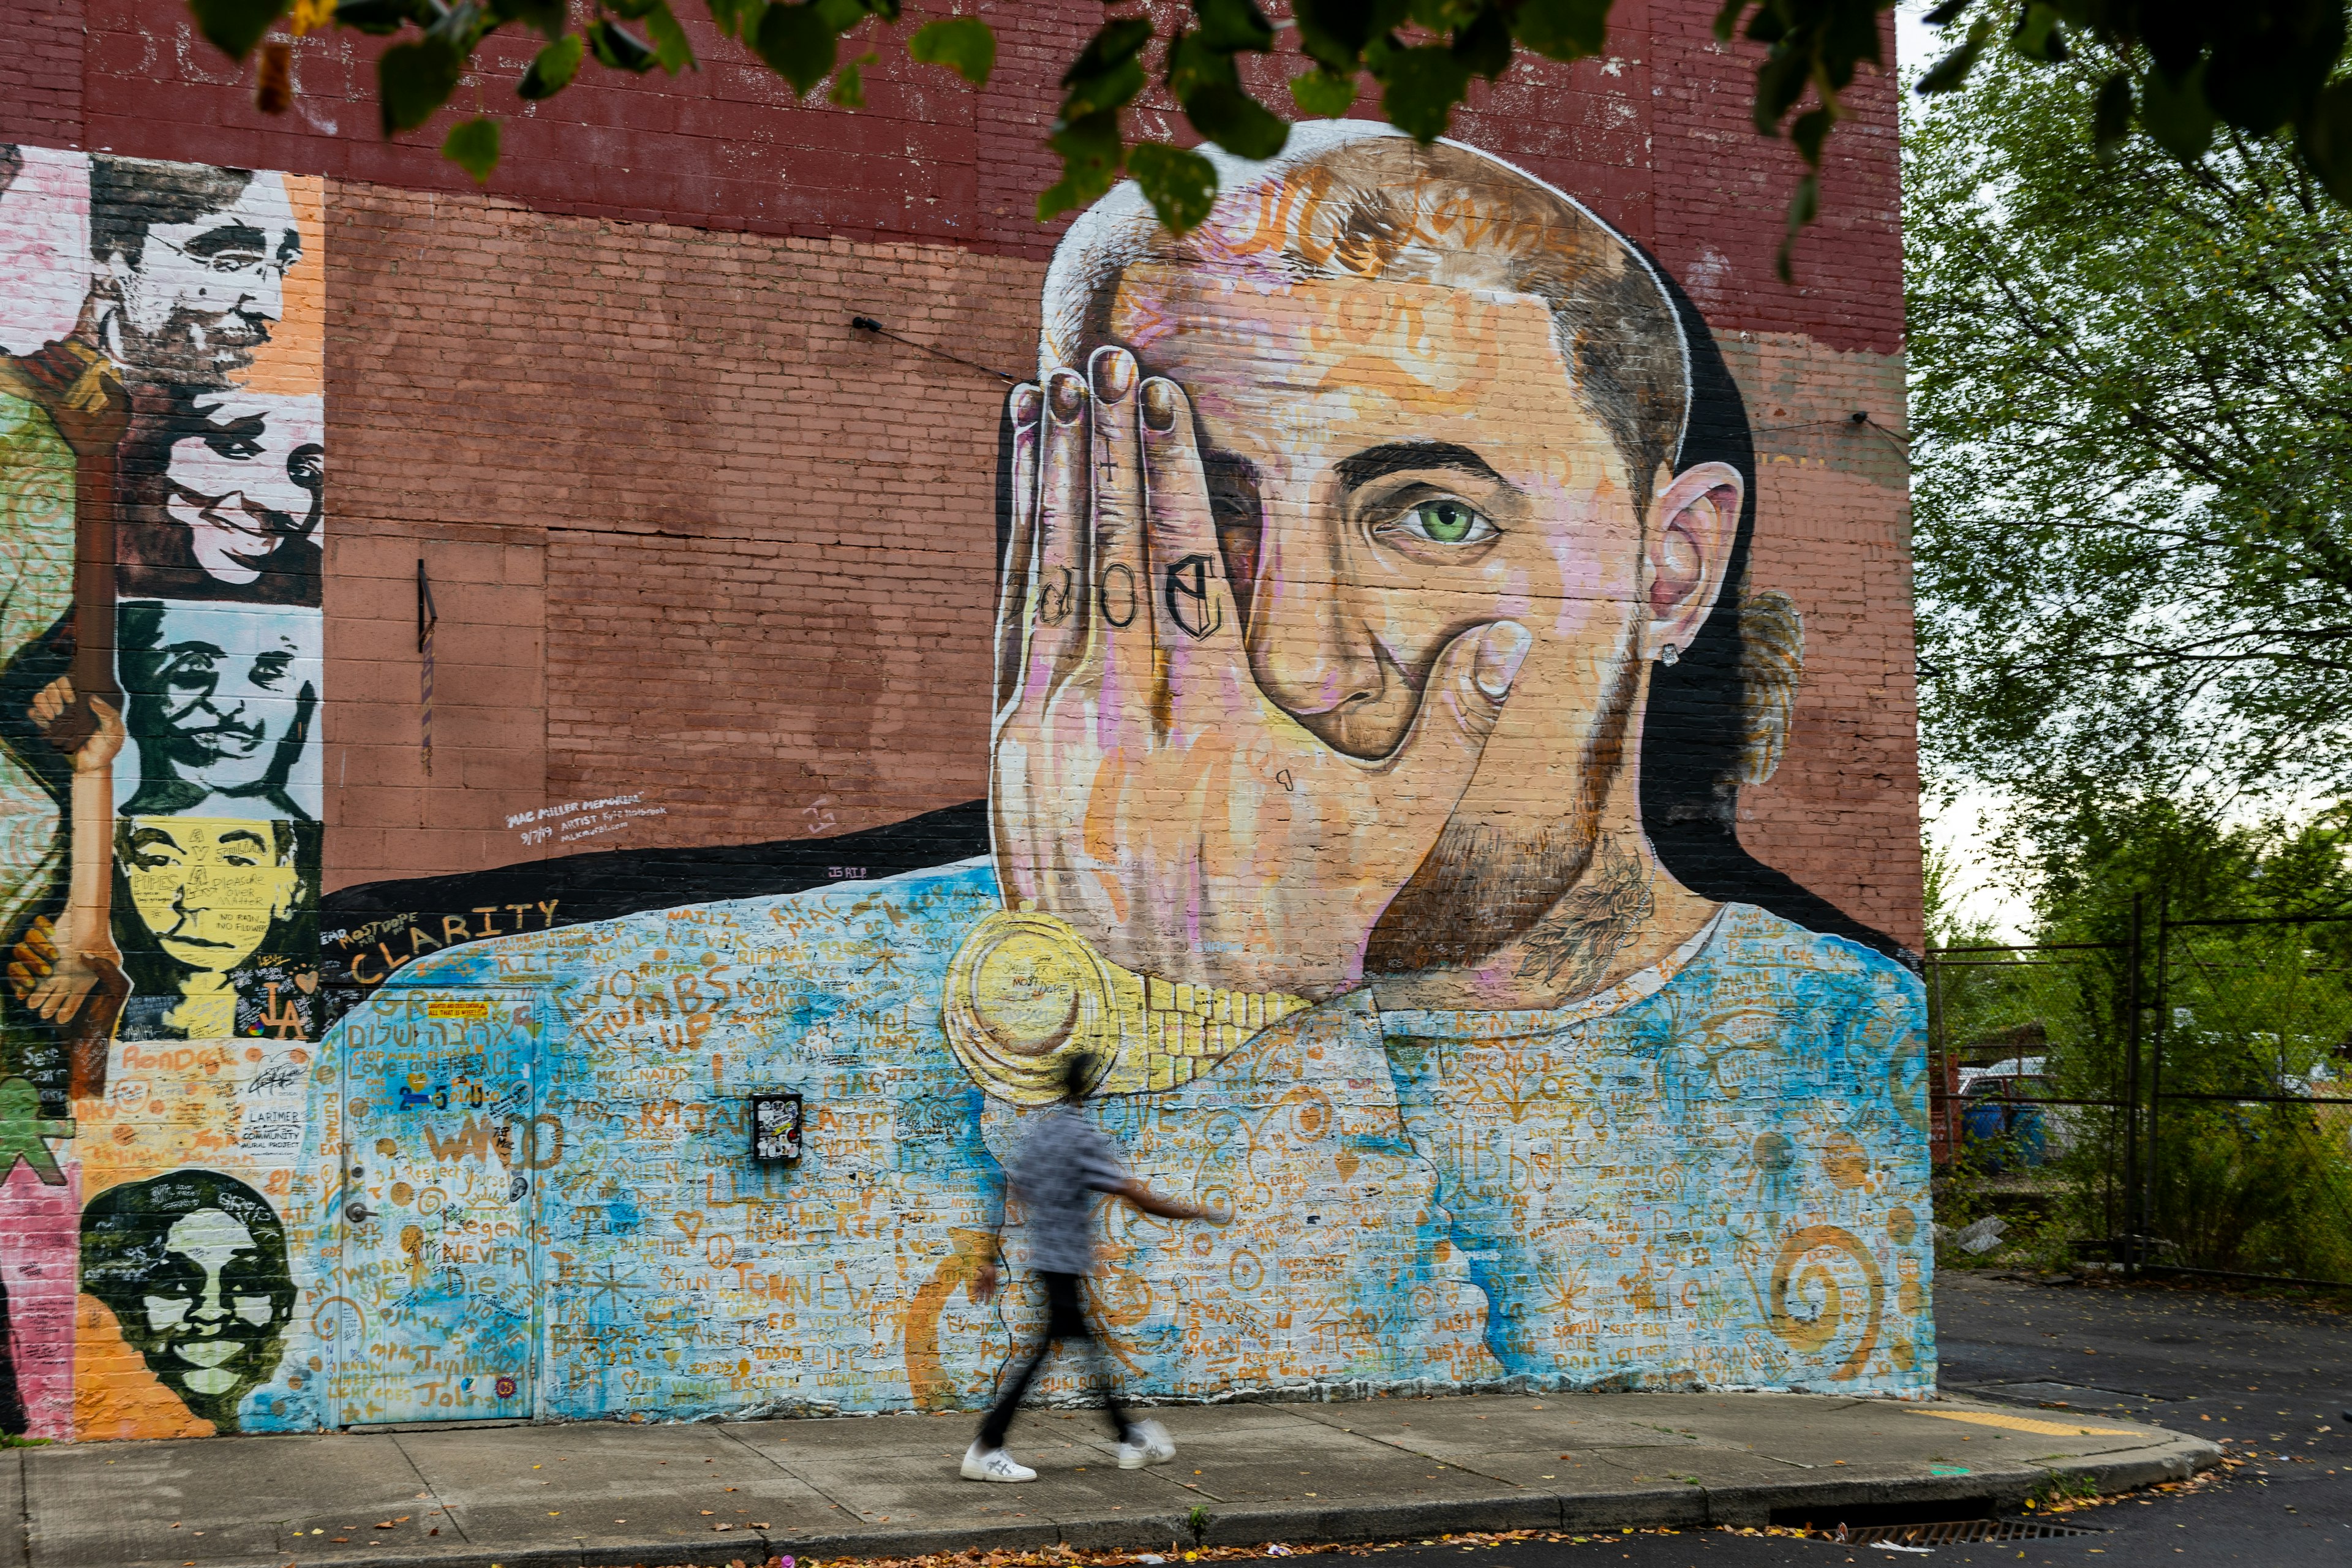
[1349, 199]
[129, 196]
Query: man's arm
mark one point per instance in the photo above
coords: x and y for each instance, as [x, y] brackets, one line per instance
[1108, 1173]
[984, 1276]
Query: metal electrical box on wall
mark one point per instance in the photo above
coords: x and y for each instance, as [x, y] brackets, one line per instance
[775, 1127]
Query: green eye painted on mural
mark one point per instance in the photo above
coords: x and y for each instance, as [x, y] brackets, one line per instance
[1444, 520]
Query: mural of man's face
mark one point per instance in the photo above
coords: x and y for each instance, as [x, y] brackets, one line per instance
[193, 1266]
[203, 295]
[208, 888]
[247, 479]
[209, 1309]
[217, 692]
[1392, 463]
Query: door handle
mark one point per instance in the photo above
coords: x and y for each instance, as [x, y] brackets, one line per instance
[358, 1212]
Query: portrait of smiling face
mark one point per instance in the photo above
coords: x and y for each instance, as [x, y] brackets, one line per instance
[224, 493]
[246, 479]
[222, 702]
[193, 1266]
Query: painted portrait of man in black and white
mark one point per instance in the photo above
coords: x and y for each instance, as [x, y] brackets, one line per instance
[193, 1266]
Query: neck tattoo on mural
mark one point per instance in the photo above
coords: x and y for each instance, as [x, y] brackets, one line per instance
[1573, 948]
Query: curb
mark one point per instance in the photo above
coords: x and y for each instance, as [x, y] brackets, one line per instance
[1652, 1505]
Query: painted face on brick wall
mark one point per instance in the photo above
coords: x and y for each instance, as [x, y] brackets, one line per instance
[221, 702]
[208, 888]
[1393, 463]
[205, 294]
[1437, 559]
[247, 477]
[193, 1266]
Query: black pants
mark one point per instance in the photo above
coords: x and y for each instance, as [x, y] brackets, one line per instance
[1066, 1318]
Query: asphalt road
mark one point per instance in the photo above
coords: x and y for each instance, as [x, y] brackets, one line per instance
[2273, 1380]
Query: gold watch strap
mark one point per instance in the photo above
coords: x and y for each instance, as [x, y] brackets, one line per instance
[1026, 993]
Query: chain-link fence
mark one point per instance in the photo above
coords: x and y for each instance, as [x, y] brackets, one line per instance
[2179, 1101]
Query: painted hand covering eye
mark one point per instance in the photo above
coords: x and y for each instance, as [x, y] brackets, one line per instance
[1444, 520]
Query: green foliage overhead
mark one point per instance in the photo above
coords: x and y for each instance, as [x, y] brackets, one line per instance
[1178, 182]
[963, 44]
[473, 146]
[2132, 432]
[2181, 69]
[2184, 70]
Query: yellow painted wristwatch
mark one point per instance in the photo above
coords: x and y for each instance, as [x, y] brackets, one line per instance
[1026, 993]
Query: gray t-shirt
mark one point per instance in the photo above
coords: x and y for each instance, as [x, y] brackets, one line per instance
[1065, 1161]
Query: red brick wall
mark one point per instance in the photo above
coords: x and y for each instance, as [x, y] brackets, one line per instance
[692, 539]
[1656, 139]
[767, 541]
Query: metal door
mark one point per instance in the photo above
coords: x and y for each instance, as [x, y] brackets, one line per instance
[441, 1151]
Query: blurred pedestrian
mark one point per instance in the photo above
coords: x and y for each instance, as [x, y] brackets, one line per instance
[1064, 1162]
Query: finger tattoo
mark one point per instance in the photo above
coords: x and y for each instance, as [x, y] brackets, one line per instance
[1053, 599]
[1192, 603]
[1118, 594]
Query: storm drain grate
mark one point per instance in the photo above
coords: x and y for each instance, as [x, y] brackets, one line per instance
[1953, 1532]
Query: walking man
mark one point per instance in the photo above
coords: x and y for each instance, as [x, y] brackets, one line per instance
[1065, 1161]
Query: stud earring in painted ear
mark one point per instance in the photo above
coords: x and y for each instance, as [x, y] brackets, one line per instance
[1669, 655]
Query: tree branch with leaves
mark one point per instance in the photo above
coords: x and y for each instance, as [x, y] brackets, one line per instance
[2132, 421]
[1421, 58]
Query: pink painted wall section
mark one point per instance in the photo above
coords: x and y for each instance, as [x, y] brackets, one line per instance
[39, 1227]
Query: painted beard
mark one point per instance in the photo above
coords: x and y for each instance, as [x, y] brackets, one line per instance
[192, 348]
[1479, 889]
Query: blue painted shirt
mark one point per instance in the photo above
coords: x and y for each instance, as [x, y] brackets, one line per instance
[1712, 1174]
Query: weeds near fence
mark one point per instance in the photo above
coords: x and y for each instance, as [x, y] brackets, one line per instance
[2180, 1034]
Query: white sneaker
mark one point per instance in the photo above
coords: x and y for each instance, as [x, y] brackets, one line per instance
[995, 1465]
[1148, 1443]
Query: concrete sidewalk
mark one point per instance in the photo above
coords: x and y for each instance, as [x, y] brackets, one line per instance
[532, 1497]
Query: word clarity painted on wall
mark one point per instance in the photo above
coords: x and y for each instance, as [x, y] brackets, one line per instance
[1377, 670]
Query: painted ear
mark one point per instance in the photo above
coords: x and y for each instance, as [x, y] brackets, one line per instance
[1771, 668]
[1693, 521]
[290, 896]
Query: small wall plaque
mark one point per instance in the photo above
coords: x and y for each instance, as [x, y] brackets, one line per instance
[775, 1127]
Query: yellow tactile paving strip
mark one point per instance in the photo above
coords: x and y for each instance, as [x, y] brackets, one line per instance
[2028, 1423]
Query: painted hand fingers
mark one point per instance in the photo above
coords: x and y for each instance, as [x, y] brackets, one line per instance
[59, 997]
[1012, 753]
[1119, 640]
[1023, 410]
[1031, 760]
[51, 699]
[1057, 601]
[1459, 706]
[1191, 607]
